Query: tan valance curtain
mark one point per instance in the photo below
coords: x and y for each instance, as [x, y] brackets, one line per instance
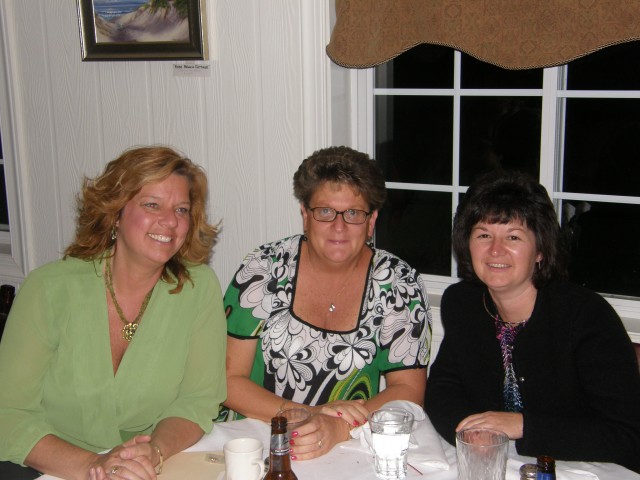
[514, 34]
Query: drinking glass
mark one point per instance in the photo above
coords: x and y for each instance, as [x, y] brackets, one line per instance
[390, 431]
[482, 454]
[295, 417]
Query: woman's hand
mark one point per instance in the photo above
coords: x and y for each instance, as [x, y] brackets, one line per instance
[507, 422]
[132, 460]
[351, 411]
[319, 435]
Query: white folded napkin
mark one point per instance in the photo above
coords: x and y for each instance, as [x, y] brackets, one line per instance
[424, 444]
[562, 473]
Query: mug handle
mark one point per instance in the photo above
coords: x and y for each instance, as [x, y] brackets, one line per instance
[262, 467]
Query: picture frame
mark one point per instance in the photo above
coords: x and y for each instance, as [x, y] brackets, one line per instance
[112, 30]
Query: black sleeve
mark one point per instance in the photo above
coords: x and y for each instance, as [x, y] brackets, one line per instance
[461, 381]
[609, 384]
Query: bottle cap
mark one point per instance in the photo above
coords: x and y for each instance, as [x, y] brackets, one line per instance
[279, 422]
[528, 470]
[545, 462]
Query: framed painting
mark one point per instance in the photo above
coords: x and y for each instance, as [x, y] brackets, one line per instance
[142, 29]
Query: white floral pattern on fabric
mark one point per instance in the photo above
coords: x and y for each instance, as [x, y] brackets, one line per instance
[310, 365]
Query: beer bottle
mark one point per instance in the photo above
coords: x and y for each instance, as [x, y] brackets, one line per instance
[546, 468]
[279, 459]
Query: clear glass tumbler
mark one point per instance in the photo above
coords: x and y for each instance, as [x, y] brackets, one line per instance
[482, 454]
[390, 432]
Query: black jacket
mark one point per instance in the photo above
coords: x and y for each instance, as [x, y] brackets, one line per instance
[576, 369]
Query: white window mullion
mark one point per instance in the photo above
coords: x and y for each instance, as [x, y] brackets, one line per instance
[457, 89]
[550, 141]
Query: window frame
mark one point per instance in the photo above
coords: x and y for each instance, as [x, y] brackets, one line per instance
[553, 95]
[13, 268]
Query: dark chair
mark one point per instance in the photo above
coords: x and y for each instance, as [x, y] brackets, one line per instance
[12, 471]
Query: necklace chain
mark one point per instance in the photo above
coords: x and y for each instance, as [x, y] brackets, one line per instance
[129, 329]
[332, 305]
[496, 316]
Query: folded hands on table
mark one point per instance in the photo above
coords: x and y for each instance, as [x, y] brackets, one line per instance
[131, 460]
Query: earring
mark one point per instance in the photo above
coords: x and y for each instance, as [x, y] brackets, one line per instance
[114, 233]
[539, 263]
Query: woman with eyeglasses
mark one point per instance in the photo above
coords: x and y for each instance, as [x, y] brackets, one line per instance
[317, 319]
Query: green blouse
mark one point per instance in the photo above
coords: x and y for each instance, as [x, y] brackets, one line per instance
[56, 371]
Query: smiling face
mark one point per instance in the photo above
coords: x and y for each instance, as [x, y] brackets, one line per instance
[504, 255]
[154, 224]
[337, 241]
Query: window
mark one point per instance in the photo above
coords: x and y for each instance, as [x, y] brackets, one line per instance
[4, 210]
[441, 118]
[12, 252]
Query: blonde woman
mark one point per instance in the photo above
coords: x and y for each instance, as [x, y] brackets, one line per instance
[122, 340]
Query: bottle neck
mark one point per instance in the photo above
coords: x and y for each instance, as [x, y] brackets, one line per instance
[279, 458]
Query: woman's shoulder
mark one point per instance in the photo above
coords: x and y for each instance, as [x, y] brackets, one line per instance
[382, 259]
[65, 267]
[463, 288]
[287, 244]
[565, 296]
[202, 274]
[567, 292]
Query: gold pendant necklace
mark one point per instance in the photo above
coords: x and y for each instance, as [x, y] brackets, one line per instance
[129, 329]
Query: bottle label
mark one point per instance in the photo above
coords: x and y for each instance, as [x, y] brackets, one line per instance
[545, 476]
[280, 444]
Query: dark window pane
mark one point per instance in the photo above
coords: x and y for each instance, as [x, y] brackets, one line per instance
[4, 213]
[602, 141]
[424, 66]
[414, 138]
[612, 68]
[477, 74]
[598, 232]
[499, 132]
[416, 226]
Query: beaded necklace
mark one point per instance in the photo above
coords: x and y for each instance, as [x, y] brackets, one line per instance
[506, 333]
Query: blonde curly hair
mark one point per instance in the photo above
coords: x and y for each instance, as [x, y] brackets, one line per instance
[102, 199]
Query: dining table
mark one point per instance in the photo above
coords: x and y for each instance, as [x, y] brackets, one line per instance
[429, 457]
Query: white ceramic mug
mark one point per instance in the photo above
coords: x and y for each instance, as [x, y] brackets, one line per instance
[243, 459]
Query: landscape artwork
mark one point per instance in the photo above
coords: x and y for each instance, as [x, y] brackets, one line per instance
[141, 20]
[141, 29]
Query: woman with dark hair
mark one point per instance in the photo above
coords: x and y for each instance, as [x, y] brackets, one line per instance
[122, 342]
[317, 319]
[525, 351]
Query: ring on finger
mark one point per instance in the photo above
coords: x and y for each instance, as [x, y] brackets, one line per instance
[114, 470]
[319, 444]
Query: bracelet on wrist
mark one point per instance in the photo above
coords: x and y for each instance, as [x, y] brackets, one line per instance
[348, 431]
[159, 452]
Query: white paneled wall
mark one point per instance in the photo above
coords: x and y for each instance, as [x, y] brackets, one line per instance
[264, 107]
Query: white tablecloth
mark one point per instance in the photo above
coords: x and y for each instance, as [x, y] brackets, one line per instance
[350, 461]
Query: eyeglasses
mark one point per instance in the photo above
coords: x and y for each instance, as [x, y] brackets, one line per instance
[327, 214]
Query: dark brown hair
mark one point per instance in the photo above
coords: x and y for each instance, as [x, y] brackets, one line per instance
[340, 165]
[502, 197]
